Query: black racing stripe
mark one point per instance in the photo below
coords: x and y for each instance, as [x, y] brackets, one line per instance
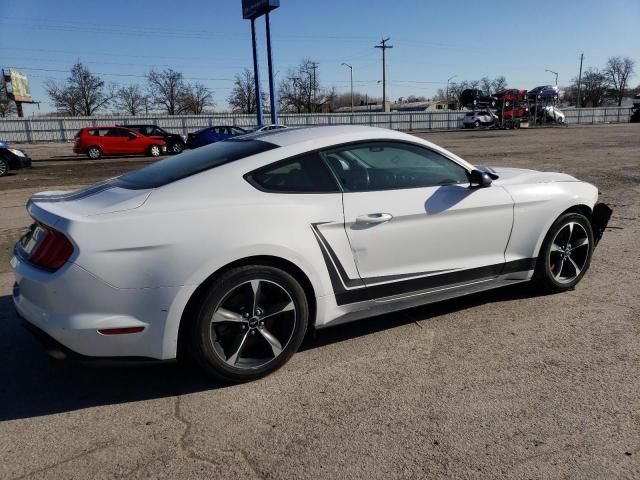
[351, 282]
[346, 280]
[344, 296]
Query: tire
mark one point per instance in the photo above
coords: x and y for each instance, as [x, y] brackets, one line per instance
[94, 153]
[177, 147]
[154, 151]
[492, 103]
[560, 268]
[4, 167]
[230, 344]
[476, 124]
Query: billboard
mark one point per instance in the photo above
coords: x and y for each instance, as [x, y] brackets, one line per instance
[254, 8]
[18, 86]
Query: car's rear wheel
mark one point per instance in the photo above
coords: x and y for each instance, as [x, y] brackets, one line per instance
[565, 254]
[94, 153]
[250, 323]
[177, 147]
[4, 167]
[154, 151]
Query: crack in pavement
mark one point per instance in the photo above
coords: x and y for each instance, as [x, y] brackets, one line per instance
[66, 460]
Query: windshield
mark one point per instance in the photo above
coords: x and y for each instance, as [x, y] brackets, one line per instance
[190, 163]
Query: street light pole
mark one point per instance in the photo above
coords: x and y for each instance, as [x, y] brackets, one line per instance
[448, 80]
[555, 73]
[351, 74]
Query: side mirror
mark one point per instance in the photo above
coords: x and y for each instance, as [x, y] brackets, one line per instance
[479, 179]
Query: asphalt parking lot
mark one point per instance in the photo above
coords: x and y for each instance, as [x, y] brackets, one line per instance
[505, 384]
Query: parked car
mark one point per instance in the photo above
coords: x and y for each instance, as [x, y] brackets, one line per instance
[474, 97]
[175, 143]
[213, 134]
[518, 111]
[12, 158]
[545, 91]
[267, 128]
[548, 114]
[636, 101]
[230, 253]
[511, 96]
[480, 118]
[98, 141]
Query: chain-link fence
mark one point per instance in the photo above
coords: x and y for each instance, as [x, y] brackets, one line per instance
[61, 129]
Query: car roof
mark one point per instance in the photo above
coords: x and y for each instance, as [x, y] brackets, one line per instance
[326, 135]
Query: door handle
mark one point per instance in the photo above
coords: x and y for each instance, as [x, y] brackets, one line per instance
[374, 218]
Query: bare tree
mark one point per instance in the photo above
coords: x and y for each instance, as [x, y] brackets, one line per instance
[195, 99]
[300, 90]
[242, 98]
[499, 83]
[486, 85]
[618, 71]
[130, 99]
[82, 93]
[65, 99]
[595, 84]
[166, 89]
[7, 106]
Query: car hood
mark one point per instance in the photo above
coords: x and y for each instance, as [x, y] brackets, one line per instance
[515, 176]
[99, 199]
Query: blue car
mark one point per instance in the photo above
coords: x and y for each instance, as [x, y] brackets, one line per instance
[212, 134]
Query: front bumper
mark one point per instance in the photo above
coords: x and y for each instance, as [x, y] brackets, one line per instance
[71, 305]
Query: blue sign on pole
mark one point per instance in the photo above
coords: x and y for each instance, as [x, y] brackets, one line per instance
[252, 9]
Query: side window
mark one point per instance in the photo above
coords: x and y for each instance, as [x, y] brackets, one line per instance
[391, 165]
[307, 174]
[236, 131]
[103, 132]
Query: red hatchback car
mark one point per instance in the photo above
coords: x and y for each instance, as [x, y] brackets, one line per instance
[98, 141]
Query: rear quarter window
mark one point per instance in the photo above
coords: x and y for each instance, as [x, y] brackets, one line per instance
[191, 162]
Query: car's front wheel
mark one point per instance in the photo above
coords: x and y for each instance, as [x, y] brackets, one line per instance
[250, 323]
[565, 254]
[476, 124]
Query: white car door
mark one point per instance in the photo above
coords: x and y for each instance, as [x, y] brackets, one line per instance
[413, 221]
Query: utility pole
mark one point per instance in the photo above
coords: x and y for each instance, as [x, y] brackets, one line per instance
[351, 71]
[383, 45]
[579, 80]
[314, 66]
[448, 80]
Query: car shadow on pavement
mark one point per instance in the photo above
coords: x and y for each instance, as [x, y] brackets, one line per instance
[33, 384]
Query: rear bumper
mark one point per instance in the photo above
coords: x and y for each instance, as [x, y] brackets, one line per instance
[58, 351]
[71, 305]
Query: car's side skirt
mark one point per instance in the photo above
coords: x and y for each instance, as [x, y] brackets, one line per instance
[380, 307]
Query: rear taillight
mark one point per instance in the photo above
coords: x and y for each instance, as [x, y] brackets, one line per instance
[52, 251]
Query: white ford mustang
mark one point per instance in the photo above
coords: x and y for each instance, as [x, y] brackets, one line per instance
[231, 252]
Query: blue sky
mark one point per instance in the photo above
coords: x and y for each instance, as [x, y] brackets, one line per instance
[207, 39]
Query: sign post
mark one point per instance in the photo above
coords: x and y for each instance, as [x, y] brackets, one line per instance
[252, 9]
